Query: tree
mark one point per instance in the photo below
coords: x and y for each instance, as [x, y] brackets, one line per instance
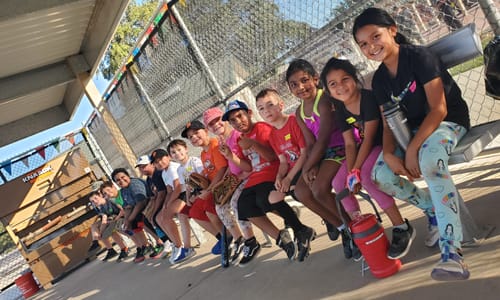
[134, 21]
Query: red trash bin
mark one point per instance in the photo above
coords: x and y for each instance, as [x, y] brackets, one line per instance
[27, 284]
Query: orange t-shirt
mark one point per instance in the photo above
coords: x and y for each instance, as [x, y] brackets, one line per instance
[212, 159]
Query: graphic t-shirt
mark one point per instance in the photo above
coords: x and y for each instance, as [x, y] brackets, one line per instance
[417, 66]
[368, 111]
[212, 159]
[288, 141]
[193, 164]
[170, 174]
[137, 191]
[155, 182]
[262, 170]
[109, 209]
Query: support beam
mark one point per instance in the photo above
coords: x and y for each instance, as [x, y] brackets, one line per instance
[33, 81]
[12, 8]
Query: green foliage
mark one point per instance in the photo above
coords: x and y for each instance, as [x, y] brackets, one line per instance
[6, 242]
[134, 21]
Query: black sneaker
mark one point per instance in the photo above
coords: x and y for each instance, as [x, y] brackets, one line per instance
[122, 256]
[95, 245]
[286, 243]
[401, 241]
[333, 232]
[346, 243]
[139, 256]
[250, 249]
[149, 249]
[111, 253]
[237, 249]
[304, 238]
[157, 252]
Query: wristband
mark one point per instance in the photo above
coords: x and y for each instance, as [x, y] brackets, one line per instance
[353, 178]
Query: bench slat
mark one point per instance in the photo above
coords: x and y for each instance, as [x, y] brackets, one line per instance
[476, 139]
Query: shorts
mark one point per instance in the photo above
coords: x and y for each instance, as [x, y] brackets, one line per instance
[200, 207]
[254, 201]
[138, 223]
[335, 153]
[182, 196]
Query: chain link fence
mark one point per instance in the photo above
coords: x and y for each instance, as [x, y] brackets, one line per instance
[206, 52]
[12, 263]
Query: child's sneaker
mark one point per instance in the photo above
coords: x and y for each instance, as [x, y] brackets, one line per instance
[123, 255]
[250, 250]
[432, 237]
[217, 248]
[286, 243]
[333, 232]
[157, 252]
[95, 245]
[346, 243]
[450, 268]
[173, 255]
[184, 254]
[237, 248]
[139, 256]
[401, 241]
[111, 253]
[304, 238]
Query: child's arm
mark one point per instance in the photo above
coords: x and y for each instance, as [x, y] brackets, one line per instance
[319, 147]
[282, 171]
[238, 160]
[308, 136]
[287, 180]
[436, 101]
[264, 151]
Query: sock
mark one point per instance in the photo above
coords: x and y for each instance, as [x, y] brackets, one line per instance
[403, 226]
[250, 241]
[341, 227]
[287, 213]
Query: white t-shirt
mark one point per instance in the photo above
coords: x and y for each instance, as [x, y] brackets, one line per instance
[193, 165]
[170, 174]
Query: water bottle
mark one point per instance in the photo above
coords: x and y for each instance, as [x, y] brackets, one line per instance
[398, 124]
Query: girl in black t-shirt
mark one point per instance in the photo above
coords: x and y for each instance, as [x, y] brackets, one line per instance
[438, 118]
[355, 108]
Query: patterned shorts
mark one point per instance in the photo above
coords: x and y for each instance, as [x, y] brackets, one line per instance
[335, 153]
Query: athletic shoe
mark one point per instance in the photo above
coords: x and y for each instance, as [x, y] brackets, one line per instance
[111, 253]
[250, 250]
[139, 255]
[286, 243]
[173, 255]
[217, 248]
[333, 232]
[184, 254]
[304, 238]
[123, 255]
[346, 243]
[95, 245]
[450, 268]
[148, 250]
[157, 252]
[237, 249]
[432, 237]
[401, 241]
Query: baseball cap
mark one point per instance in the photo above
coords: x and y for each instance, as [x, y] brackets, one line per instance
[157, 154]
[211, 114]
[232, 106]
[143, 160]
[193, 125]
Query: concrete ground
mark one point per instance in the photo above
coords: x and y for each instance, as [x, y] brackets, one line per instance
[325, 274]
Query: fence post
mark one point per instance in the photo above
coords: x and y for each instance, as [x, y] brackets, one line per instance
[141, 90]
[198, 54]
[492, 15]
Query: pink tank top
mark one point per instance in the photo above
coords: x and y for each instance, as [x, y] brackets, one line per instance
[232, 143]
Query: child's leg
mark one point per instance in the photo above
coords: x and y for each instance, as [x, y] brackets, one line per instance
[350, 202]
[118, 240]
[107, 243]
[169, 212]
[95, 231]
[227, 218]
[385, 201]
[185, 230]
[433, 160]
[245, 226]
[266, 225]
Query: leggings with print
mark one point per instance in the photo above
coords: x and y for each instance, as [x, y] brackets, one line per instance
[442, 198]
[228, 213]
[350, 203]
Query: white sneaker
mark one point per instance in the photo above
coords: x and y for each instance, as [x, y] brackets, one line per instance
[174, 254]
[432, 236]
[168, 247]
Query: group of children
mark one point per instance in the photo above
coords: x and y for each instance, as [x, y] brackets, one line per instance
[338, 139]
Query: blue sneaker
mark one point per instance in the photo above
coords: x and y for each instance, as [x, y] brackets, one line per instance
[184, 254]
[217, 248]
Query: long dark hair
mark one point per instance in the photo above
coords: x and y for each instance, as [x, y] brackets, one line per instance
[339, 64]
[378, 17]
[300, 65]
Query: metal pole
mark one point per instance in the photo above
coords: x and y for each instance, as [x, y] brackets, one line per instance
[198, 53]
[150, 104]
[492, 15]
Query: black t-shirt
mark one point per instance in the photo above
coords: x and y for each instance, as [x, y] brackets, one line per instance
[156, 181]
[417, 66]
[368, 111]
[109, 209]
